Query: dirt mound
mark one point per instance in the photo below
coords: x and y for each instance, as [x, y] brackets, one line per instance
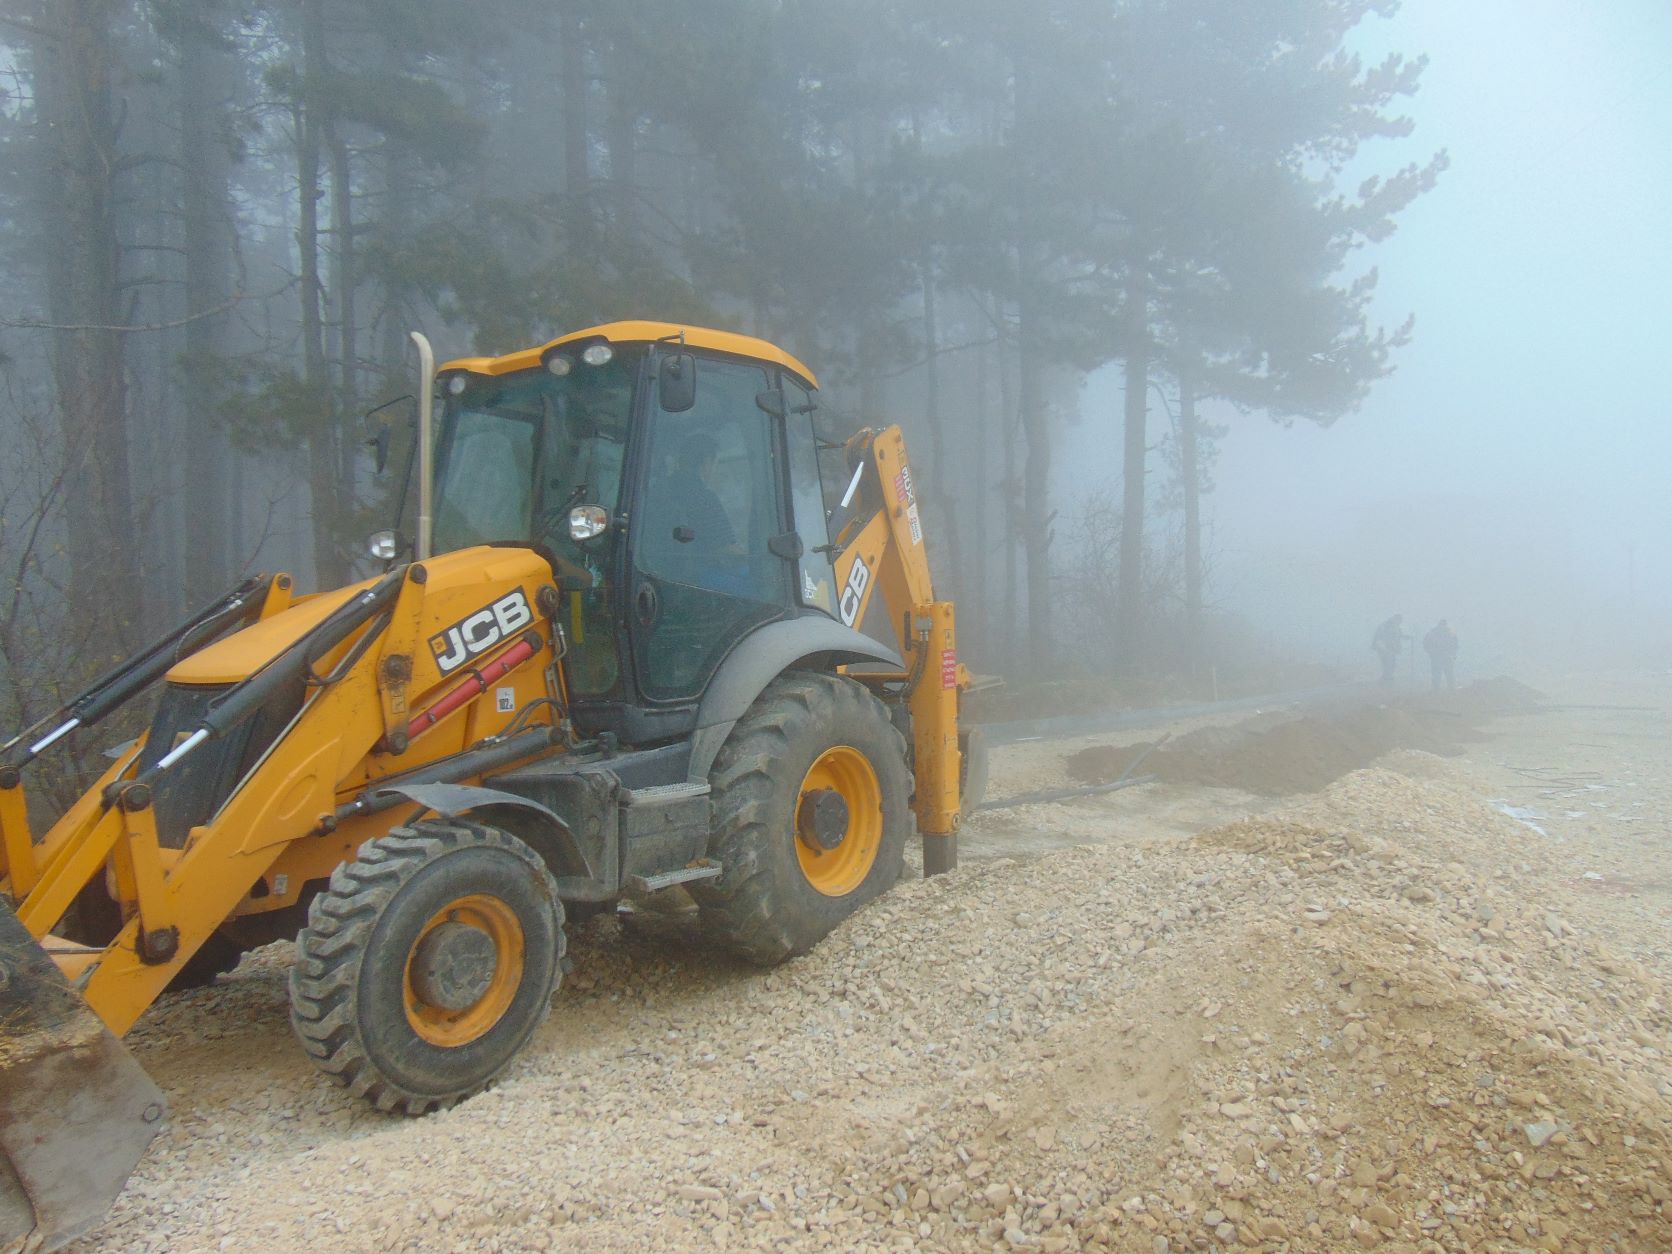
[1306, 753]
[1365, 1021]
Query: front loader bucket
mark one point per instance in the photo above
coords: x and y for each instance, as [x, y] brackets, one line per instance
[76, 1110]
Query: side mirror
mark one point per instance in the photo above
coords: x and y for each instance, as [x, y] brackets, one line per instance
[771, 401]
[676, 382]
[384, 433]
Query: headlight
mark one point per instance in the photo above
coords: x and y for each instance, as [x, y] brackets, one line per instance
[559, 365]
[597, 354]
[382, 545]
[588, 521]
[456, 383]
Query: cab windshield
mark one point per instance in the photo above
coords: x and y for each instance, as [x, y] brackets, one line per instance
[518, 451]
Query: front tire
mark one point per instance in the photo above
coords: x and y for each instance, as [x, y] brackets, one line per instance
[812, 808]
[427, 964]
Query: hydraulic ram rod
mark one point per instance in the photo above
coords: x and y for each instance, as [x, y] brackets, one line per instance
[133, 675]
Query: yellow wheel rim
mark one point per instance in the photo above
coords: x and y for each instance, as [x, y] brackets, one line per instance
[463, 970]
[838, 870]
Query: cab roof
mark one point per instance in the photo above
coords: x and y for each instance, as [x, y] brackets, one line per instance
[639, 333]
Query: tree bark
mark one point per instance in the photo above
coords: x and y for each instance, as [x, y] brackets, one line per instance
[622, 135]
[976, 591]
[329, 568]
[1190, 473]
[1037, 515]
[950, 539]
[1129, 588]
[205, 87]
[345, 279]
[74, 102]
[577, 174]
[1009, 425]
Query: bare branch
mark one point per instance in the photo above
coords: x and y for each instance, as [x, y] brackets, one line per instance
[28, 325]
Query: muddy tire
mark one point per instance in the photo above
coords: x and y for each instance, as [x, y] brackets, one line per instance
[427, 964]
[812, 808]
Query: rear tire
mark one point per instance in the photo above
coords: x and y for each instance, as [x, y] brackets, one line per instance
[427, 964]
[806, 737]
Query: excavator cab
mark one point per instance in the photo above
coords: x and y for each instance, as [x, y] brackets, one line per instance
[677, 487]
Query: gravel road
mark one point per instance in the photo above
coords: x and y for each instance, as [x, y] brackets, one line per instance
[1386, 1014]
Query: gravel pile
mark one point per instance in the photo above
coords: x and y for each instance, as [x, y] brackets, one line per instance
[1355, 1023]
[1278, 755]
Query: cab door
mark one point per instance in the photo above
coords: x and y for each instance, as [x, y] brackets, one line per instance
[709, 512]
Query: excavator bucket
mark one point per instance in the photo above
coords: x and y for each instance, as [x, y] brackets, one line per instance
[76, 1110]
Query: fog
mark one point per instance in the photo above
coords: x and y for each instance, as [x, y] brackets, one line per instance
[978, 221]
[1511, 474]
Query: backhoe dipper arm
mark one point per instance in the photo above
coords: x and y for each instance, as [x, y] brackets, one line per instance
[881, 545]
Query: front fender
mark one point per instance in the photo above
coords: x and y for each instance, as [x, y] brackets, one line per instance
[452, 800]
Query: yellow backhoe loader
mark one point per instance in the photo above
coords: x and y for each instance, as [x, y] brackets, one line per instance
[648, 630]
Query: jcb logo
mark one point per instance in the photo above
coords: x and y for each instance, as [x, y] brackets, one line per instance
[480, 631]
[853, 594]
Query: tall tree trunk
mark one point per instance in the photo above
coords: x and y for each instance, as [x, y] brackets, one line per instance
[1010, 422]
[1037, 515]
[949, 538]
[329, 567]
[74, 104]
[1129, 588]
[977, 592]
[395, 228]
[345, 278]
[621, 132]
[1190, 472]
[577, 174]
[206, 162]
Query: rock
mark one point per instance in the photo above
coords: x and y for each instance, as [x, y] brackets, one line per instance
[698, 1193]
[1419, 894]
[1539, 1133]
[1380, 1215]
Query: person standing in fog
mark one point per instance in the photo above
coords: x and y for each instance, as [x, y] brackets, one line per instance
[1387, 643]
[1441, 644]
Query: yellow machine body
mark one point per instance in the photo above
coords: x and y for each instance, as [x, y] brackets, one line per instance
[443, 659]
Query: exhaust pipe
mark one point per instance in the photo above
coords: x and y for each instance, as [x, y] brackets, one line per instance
[426, 442]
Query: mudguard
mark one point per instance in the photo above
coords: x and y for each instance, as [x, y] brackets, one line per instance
[452, 800]
[761, 657]
[76, 1110]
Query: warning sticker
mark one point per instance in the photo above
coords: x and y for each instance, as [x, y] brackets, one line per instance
[949, 668]
[916, 526]
[505, 700]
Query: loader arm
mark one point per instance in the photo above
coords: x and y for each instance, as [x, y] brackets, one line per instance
[354, 687]
[878, 538]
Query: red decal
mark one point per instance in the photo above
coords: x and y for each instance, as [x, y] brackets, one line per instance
[949, 668]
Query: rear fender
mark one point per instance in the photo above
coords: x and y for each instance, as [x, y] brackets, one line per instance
[809, 641]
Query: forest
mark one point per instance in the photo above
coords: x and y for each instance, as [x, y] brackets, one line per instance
[219, 222]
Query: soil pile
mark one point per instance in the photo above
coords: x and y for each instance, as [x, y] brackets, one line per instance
[1357, 1023]
[1278, 757]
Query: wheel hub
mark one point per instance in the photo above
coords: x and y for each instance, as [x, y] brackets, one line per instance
[822, 819]
[454, 966]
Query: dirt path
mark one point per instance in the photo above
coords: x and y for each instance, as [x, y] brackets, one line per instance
[1382, 1015]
